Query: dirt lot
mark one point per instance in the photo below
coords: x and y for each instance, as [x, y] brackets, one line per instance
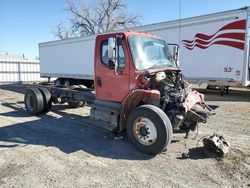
[60, 150]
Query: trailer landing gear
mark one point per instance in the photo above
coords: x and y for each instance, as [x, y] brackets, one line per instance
[223, 89]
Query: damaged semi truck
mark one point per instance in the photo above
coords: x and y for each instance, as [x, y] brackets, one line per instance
[130, 80]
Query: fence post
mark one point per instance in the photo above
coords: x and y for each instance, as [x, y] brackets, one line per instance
[19, 72]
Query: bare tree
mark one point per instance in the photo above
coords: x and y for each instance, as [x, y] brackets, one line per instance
[105, 16]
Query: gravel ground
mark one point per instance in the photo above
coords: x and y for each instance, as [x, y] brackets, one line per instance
[60, 150]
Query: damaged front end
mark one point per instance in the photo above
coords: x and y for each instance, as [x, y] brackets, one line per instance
[184, 107]
[196, 111]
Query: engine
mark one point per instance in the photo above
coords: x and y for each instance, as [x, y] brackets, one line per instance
[175, 92]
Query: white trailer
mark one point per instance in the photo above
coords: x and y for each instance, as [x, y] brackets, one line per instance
[214, 48]
[71, 58]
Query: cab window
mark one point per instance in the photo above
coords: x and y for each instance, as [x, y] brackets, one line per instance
[104, 52]
[121, 56]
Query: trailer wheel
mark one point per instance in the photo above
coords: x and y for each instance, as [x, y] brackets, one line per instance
[67, 82]
[47, 102]
[76, 104]
[58, 82]
[33, 100]
[149, 129]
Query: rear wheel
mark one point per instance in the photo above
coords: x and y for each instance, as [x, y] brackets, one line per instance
[33, 100]
[149, 129]
[46, 99]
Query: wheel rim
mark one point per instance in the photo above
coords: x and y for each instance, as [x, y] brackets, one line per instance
[145, 131]
[30, 102]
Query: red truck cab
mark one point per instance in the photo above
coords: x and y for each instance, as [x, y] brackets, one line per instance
[115, 85]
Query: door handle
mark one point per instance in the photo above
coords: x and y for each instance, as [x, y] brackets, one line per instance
[99, 81]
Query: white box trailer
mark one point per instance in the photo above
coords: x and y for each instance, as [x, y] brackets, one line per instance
[71, 58]
[214, 48]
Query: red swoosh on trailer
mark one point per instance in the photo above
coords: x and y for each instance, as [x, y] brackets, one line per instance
[234, 44]
[201, 39]
[237, 36]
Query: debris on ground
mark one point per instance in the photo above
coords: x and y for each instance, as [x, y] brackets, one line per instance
[216, 144]
[184, 155]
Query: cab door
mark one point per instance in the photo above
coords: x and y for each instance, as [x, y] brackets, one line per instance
[109, 85]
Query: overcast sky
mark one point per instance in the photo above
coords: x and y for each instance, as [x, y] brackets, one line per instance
[25, 23]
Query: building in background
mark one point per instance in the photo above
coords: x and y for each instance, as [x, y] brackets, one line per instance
[18, 69]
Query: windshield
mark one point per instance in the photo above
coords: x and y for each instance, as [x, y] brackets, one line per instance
[150, 53]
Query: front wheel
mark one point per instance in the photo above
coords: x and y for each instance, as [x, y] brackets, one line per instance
[149, 129]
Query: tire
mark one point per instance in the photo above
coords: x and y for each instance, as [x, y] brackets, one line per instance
[47, 102]
[58, 82]
[33, 100]
[76, 104]
[67, 82]
[150, 119]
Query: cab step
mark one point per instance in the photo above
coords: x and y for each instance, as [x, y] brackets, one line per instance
[100, 124]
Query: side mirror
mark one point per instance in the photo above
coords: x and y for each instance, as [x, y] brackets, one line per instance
[175, 53]
[112, 59]
[112, 48]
